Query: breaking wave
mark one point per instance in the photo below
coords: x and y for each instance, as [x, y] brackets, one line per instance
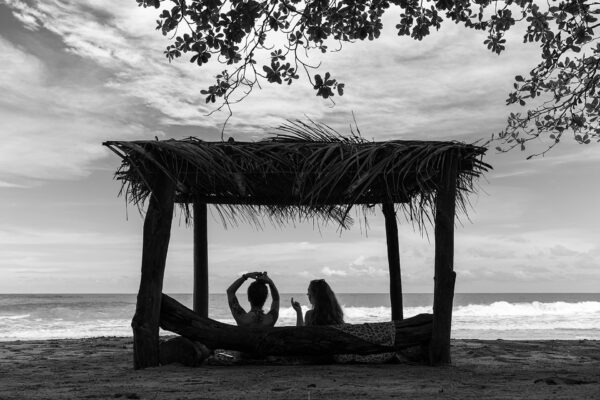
[533, 320]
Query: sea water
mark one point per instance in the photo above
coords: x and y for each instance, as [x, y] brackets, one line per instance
[506, 316]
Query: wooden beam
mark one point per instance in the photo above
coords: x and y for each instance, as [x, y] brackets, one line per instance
[157, 232]
[200, 259]
[289, 340]
[393, 252]
[278, 199]
[445, 276]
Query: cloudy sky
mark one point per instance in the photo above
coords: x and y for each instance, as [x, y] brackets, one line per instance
[76, 73]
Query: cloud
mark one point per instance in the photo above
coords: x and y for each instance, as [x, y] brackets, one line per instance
[446, 85]
[67, 260]
[554, 258]
[51, 132]
[17, 236]
[12, 185]
[561, 251]
[82, 72]
[357, 268]
[29, 16]
[52, 123]
[333, 272]
[123, 40]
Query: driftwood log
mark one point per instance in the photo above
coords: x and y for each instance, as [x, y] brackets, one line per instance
[289, 340]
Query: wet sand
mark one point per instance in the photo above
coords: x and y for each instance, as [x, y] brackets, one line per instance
[101, 368]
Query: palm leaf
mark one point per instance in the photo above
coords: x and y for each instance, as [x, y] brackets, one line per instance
[305, 171]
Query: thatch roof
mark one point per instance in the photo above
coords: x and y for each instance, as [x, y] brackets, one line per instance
[304, 171]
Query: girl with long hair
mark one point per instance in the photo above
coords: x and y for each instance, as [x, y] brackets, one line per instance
[325, 308]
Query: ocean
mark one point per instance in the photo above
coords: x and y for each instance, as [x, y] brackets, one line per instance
[532, 316]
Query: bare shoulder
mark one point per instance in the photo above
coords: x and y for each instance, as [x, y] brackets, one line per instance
[244, 319]
[268, 321]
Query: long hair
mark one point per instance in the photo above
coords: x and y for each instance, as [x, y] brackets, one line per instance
[326, 309]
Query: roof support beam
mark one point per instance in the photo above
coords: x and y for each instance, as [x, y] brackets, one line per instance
[281, 201]
[445, 276]
[157, 233]
[393, 252]
[200, 259]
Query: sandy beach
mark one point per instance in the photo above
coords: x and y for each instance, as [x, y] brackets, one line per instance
[101, 368]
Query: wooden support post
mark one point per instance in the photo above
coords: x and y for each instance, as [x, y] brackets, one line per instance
[157, 232]
[200, 259]
[445, 276]
[393, 251]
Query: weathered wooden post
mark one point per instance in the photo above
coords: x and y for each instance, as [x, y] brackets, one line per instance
[445, 276]
[393, 252]
[200, 259]
[157, 232]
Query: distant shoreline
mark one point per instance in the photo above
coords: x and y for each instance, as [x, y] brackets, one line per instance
[475, 316]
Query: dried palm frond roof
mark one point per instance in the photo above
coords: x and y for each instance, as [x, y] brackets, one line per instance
[303, 171]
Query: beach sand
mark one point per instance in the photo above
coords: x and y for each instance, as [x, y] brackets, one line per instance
[101, 368]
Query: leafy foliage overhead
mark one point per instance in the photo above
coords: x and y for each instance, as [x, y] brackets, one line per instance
[561, 90]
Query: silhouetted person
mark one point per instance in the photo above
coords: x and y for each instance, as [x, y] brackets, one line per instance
[257, 295]
[325, 308]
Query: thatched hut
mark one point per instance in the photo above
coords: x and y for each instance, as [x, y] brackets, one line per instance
[306, 172]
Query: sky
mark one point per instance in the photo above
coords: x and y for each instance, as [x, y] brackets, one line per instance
[77, 73]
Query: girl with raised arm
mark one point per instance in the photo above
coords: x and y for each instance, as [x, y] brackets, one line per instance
[257, 295]
[325, 308]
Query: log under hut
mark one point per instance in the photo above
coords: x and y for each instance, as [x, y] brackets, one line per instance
[305, 171]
